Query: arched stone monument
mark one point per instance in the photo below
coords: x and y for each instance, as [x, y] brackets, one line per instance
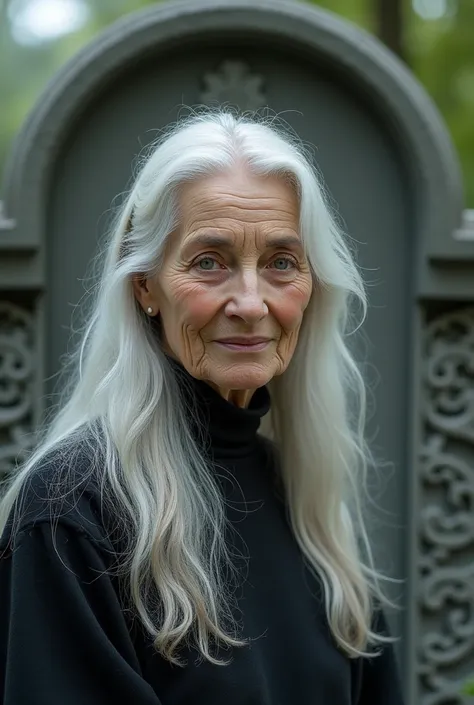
[394, 179]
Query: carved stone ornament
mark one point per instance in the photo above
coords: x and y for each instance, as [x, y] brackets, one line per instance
[233, 84]
[447, 510]
[5, 222]
[16, 384]
[466, 231]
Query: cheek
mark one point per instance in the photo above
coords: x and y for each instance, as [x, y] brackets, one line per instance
[290, 306]
[191, 304]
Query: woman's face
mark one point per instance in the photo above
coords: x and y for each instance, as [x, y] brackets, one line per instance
[234, 282]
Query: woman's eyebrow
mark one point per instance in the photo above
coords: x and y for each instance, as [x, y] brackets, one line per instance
[209, 240]
[283, 241]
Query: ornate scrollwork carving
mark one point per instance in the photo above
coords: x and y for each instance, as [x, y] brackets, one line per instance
[16, 383]
[233, 83]
[447, 514]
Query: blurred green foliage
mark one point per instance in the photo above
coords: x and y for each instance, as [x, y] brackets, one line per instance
[439, 46]
[469, 688]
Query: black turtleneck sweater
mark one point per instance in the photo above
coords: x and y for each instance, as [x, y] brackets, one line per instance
[66, 638]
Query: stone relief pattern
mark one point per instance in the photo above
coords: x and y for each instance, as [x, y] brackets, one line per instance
[447, 510]
[233, 84]
[16, 384]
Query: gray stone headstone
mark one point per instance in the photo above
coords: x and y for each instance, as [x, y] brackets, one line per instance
[392, 176]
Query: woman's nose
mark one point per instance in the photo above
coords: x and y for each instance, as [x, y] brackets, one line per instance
[247, 301]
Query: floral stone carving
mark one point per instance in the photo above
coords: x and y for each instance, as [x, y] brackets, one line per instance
[447, 510]
[234, 84]
[16, 383]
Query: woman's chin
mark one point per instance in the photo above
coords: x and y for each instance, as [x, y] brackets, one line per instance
[242, 376]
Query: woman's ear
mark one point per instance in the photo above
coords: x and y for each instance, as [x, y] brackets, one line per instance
[144, 294]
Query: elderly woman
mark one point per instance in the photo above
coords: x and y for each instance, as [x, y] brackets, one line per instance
[158, 549]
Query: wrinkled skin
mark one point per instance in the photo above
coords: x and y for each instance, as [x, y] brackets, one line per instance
[234, 267]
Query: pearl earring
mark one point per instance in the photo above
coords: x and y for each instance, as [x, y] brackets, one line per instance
[149, 309]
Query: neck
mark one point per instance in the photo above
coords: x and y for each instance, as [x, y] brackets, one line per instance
[238, 397]
[216, 417]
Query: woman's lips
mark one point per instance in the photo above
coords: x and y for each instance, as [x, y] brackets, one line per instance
[244, 344]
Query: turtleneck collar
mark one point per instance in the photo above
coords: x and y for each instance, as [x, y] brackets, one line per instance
[229, 429]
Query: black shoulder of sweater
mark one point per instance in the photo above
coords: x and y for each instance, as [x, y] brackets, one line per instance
[62, 487]
[66, 486]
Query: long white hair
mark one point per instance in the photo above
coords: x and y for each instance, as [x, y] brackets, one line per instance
[124, 395]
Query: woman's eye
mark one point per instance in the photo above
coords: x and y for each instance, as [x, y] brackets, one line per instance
[207, 263]
[282, 264]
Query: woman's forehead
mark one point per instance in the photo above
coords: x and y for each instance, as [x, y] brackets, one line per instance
[229, 197]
